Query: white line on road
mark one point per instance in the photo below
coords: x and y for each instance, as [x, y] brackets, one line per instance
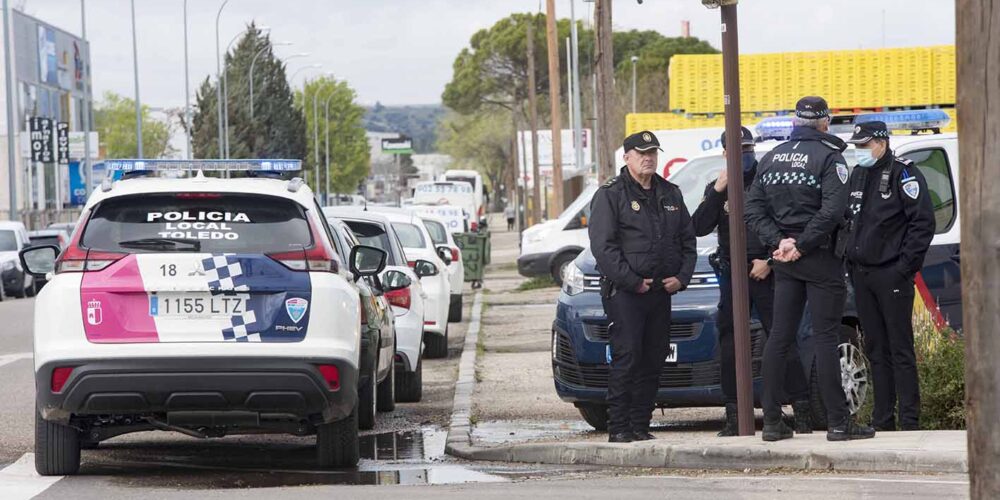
[19, 480]
[799, 477]
[10, 358]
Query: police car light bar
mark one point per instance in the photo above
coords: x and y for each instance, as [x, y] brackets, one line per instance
[776, 127]
[131, 165]
[913, 120]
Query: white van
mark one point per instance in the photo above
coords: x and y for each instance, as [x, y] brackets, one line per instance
[548, 247]
[458, 194]
[475, 179]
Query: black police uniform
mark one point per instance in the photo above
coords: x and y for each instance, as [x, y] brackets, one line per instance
[892, 224]
[801, 192]
[638, 234]
[712, 213]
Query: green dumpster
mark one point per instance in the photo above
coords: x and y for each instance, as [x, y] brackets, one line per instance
[474, 247]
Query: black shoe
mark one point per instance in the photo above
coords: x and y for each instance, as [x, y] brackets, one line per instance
[620, 437]
[803, 417]
[642, 436]
[732, 427]
[776, 431]
[849, 430]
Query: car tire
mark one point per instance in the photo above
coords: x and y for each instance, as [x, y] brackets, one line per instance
[366, 404]
[22, 290]
[595, 415]
[848, 335]
[436, 345]
[455, 309]
[410, 385]
[385, 394]
[57, 448]
[337, 444]
[559, 263]
[31, 291]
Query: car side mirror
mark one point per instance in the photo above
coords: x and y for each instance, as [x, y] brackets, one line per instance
[39, 261]
[423, 268]
[395, 280]
[367, 261]
[445, 253]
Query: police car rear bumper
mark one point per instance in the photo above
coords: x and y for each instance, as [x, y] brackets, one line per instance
[206, 389]
[536, 264]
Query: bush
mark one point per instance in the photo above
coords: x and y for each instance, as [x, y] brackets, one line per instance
[536, 283]
[941, 367]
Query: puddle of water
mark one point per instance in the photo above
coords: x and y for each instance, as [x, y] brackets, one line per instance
[424, 444]
[502, 432]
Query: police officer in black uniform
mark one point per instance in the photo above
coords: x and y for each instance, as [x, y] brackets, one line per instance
[642, 239]
[712, 213]
[892, 224]
[796, 205]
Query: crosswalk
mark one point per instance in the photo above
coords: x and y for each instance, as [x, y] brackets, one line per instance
[20, 481]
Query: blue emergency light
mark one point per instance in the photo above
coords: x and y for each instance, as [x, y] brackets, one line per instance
[259, 165]
[914, 120]
[776, 127]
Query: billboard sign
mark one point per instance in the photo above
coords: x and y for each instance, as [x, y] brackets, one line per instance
[40, 132]
[62, 143]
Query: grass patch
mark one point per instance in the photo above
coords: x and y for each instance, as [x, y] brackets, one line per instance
[537, 283]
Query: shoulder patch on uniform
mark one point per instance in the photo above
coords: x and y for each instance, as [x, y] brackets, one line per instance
[911, 188]
[841, 172]
[610, 182]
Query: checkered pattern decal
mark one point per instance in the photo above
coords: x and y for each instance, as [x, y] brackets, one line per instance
[225, 274]
[790, 178]
[244, 328]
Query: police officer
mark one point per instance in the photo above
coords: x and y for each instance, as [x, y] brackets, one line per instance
[642, 239]
[796, 205]
[892, 224]
[712, 213]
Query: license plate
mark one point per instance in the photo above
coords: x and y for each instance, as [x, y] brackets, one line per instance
[186, 305]
[671, 354]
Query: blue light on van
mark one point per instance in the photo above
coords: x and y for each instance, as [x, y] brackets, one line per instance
[918, 119]
[777, 127]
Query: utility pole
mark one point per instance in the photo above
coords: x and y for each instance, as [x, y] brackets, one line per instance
[574, 71]
[11, 143]
[138, 102]
[554, 98]
[603, 61]
[536, 192]
[978, 43]
[88, 104]
[187, 89]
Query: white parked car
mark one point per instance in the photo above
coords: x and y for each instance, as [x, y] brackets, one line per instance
[427, 260]
[438, 230]
[408, 302]
[16, 282]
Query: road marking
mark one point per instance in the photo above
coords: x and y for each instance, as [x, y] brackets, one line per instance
[805, 478]
[19, 480]
[10, 358]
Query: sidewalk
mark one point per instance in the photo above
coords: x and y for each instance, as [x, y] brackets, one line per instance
[506, 408]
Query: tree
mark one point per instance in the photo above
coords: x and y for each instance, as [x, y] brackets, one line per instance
[277, 129]
[350, 155]
[654, 52]
[480, 141]
[114, 117]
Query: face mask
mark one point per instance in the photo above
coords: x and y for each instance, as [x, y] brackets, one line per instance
[748, 161]
[865, 157]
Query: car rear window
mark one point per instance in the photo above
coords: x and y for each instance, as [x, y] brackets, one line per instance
[409, 235]
[437, 231]
[373, 235]
[200, 222]
[45, 240]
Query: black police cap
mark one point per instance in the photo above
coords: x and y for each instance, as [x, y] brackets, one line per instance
[812, 107]
[641, 141]
[745, 139]
[864, 132]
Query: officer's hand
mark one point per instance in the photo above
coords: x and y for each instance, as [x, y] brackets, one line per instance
[785, 250]
[760, 270]
[644, 287]
[722, 181]
[671, 285]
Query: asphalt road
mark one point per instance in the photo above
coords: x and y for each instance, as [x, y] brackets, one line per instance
[402, 457]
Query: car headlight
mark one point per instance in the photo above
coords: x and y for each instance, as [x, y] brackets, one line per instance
[7, 266]
[572, 280]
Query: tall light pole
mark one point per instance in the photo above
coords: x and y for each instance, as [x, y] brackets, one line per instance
[218, 76]
[326, 105]
[138, 102]
[187, 89]
[635, 59]
[308, 66]
[575, 89]
[88, 172]
[316, 92]
[254, 62]
[9, 83]
[225, 88]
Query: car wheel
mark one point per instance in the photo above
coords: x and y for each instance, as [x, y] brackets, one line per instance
[855, 373]
[30, 291]
[409, 385]
[22, 291]
[366, 404]
[57, 448]
[337, 443]
[559, 264]
[386, 391]
[455, 309]
[437, 345]
[595, 415]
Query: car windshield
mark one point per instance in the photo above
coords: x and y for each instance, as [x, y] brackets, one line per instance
[409, 235]
[8, 241]
[373, 235]
[205, 222]
[438, 234]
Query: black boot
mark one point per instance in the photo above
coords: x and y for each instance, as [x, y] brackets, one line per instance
[848, 430]
[776, 431]
[803, 417]
[620, 437]
[732, 427]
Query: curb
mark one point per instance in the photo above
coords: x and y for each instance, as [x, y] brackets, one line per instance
[755, 456]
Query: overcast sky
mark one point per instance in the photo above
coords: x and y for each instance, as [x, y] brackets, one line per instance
[401, 51]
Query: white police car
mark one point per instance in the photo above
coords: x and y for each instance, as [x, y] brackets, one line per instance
[202, 305]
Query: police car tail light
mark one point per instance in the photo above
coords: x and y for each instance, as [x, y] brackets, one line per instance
[399, 298]
[330, 374]
[59, 377]
[77, 260]
[198, 196]
[318, 258]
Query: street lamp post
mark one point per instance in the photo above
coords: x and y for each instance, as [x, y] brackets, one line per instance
[218, 75]
[574, 96]
[9, 84]
[316, 124]
[635, 59]
[138, 102]
[253, 62]
[225, 89]
[326, 105]
[187, 89]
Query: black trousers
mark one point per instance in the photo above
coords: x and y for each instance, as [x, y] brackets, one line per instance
[761, 299]
[817, 277]
[640, 338]
[885, 308]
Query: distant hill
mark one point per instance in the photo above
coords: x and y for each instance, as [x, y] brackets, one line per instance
[419, 122]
